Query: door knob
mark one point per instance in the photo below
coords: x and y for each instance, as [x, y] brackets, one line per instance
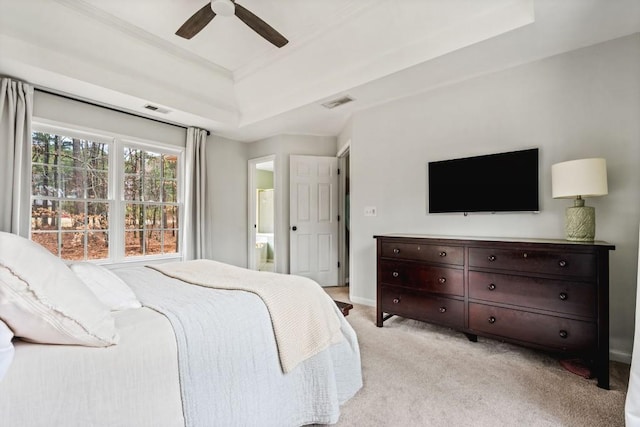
[294, 228]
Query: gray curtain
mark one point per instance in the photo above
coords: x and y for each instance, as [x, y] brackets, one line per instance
[195, 194]
[16, 108]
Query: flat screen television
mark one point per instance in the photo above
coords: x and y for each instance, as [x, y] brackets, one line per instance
[503, 182]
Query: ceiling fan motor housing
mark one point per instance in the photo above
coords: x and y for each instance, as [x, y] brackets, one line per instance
[223, 7]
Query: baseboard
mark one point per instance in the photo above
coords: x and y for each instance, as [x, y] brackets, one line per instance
[363, 301]
[620, 356]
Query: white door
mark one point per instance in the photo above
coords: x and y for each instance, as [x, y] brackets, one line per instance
[313, 227]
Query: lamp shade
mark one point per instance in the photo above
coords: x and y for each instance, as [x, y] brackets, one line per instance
[584, 177]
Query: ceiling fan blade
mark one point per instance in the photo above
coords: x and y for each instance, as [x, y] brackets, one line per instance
[197, 22]
[260, 27]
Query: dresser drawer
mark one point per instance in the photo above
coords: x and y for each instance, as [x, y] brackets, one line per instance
[417, 306]
[534, 261]
[544, 294]
[548, 331]
[441, 280]
[421, 252]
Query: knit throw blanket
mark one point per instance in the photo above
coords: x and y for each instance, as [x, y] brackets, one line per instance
[304, 318]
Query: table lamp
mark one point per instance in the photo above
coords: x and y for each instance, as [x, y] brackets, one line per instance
[579, 178]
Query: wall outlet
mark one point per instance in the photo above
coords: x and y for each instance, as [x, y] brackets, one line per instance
[370, 211]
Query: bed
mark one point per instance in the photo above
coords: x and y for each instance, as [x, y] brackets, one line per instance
[172, 352]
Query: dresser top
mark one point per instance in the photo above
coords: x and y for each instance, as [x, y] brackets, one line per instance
[495, 239]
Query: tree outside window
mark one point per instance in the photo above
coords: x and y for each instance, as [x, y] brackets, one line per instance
[151, 208]
[70, 187]
[74, 202]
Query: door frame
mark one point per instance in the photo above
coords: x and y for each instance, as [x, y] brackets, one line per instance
[344, 156]
[252, 210]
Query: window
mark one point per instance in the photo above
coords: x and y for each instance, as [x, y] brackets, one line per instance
[104, 198]
[150, 202]
[70, 187]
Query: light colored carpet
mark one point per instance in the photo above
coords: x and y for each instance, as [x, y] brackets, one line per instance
[416, 374]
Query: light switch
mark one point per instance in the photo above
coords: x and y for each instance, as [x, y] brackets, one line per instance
[370, 211]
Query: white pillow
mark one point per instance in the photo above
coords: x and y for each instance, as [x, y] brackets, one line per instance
[41, 300]
[106, 285]
[6, 349]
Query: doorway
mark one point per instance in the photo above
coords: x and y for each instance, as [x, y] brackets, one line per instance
[262, 214]
[344, 191]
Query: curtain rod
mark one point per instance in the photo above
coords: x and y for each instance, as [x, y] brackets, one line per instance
[107, 107]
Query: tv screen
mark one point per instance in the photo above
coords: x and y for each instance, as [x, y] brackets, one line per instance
[503, 182]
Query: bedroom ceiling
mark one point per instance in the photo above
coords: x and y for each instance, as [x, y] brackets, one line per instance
[227, 41]
[231, 81]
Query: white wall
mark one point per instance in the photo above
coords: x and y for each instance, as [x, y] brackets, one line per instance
[53, 108]
[345, 135]
[282, 147]
[585, 103]
[227, 200]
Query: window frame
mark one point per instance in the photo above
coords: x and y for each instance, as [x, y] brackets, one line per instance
[115, 197]
[121, 202]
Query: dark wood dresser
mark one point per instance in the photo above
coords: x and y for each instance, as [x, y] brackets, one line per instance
[547, 294]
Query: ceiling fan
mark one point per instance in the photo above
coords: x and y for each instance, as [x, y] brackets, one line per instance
[201, 18]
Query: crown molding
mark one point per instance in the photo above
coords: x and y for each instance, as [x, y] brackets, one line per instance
[141, 35]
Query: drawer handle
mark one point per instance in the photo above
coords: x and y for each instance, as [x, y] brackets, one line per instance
[442, 280]
[492, 319]
[563, 333]
[396, 300]
[563, 296]
[562, 263]
[395, 274]
[396, 251]
[443, 254]
[491, 258]
[443, 309]
[491, 287]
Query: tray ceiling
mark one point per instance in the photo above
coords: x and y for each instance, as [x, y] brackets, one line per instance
[231, 81]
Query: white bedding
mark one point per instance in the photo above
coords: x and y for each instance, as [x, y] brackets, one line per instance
[301, 330]
[179, 370]
[134, 383]
[228, 359]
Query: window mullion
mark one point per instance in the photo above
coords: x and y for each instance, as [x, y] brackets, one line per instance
[117, 201]
[85, 197]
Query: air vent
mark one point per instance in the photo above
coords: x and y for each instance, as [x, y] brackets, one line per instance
[337, 102]
[156, 109]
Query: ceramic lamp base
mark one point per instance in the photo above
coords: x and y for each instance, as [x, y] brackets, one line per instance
[580, 222]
